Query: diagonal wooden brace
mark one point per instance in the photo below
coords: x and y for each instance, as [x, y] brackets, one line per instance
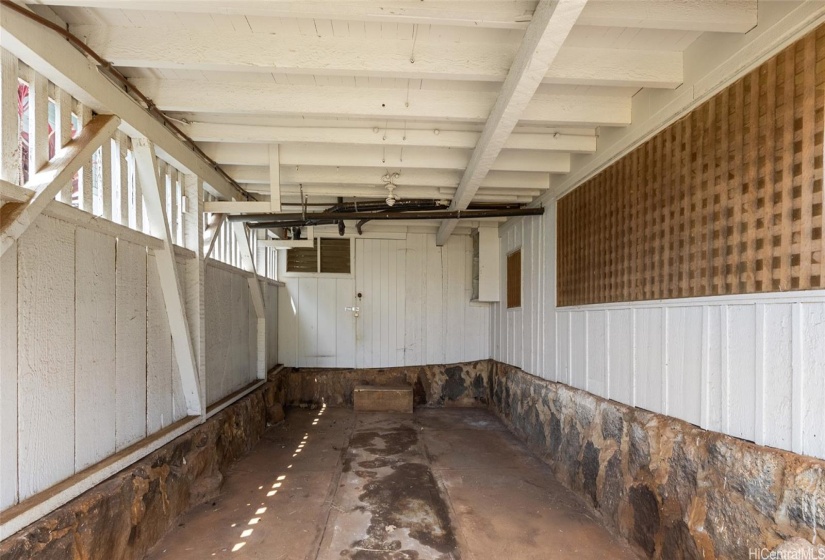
[16, 217]
[147, 175]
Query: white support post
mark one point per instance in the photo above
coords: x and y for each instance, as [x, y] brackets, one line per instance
[275, 177]
[138, 195]
[262, 253]
[38, 124]
[255, 292]
[147, 175]
[15, 218]
[106, 190]
[121, 177]
[63, 135]
[86, 195]
[9, 136]
[195, 272]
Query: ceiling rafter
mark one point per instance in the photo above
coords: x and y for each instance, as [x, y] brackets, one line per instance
[551, 24]
[156, 47]
[732, 16]
[379, 103]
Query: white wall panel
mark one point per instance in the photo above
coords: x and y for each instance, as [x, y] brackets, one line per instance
[775, 389]
[135, 339]
[578, 350]
[76, 386]
[813, 382]
[94, 347]
[747, 365]
[620, 361]
[740, 382]
[415, 308]
[8, 377]
[596, 337]
[46, 353]
[684, 371]
[230, 332]
[160, 366]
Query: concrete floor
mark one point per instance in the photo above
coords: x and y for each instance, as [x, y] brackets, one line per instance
[442, 483]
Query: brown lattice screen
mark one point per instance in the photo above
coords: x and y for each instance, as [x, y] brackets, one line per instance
[727, 200]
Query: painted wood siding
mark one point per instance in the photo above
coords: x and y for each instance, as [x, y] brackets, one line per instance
[747, 365]
[231, 332]
[416, 308]
[87, 366]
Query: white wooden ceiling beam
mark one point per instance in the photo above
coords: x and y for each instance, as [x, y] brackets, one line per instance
[147, 174]
[47, 53]
[367, 136]
[727, 16]
[378, 193]
[16, 217]
[378, 103]
[548, 30]
[371, 176]
[735, 16]
[156, 47]
[395, 157]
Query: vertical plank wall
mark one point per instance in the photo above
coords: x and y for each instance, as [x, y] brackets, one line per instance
[87, 366]
[746, 365]
[415, 308]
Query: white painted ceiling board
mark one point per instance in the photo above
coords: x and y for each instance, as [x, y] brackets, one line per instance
[306, 74]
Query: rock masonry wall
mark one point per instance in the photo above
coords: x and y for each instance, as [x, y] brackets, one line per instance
[464, 384]
[122, 517]
[672, 489]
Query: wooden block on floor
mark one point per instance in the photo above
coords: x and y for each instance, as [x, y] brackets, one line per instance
[373, 398]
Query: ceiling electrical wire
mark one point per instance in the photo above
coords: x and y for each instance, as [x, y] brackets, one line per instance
[113, 73]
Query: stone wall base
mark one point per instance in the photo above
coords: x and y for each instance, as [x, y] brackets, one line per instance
[670, 488]
[122, 517]
[464, 384]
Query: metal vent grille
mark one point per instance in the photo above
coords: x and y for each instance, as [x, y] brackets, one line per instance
[335, 256]
[302, 259]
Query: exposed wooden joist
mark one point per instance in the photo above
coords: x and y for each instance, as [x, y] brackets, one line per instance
[735, 16]
[395, 157]
[387, 103]
[156, 47]
[147, 174]
[16, 217]
[219, 132]
[50, 55]
[549, 28]
[729, 16]
[371, 176]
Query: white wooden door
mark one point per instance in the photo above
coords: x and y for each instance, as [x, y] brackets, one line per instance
[314, 327]
[380, 279]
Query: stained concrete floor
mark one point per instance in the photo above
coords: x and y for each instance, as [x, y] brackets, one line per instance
[438, 484]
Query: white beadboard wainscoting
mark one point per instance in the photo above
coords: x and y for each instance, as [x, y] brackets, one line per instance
[415, 308]
[751, 366]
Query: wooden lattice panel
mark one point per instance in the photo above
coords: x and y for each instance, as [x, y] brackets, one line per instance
[727, 200]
